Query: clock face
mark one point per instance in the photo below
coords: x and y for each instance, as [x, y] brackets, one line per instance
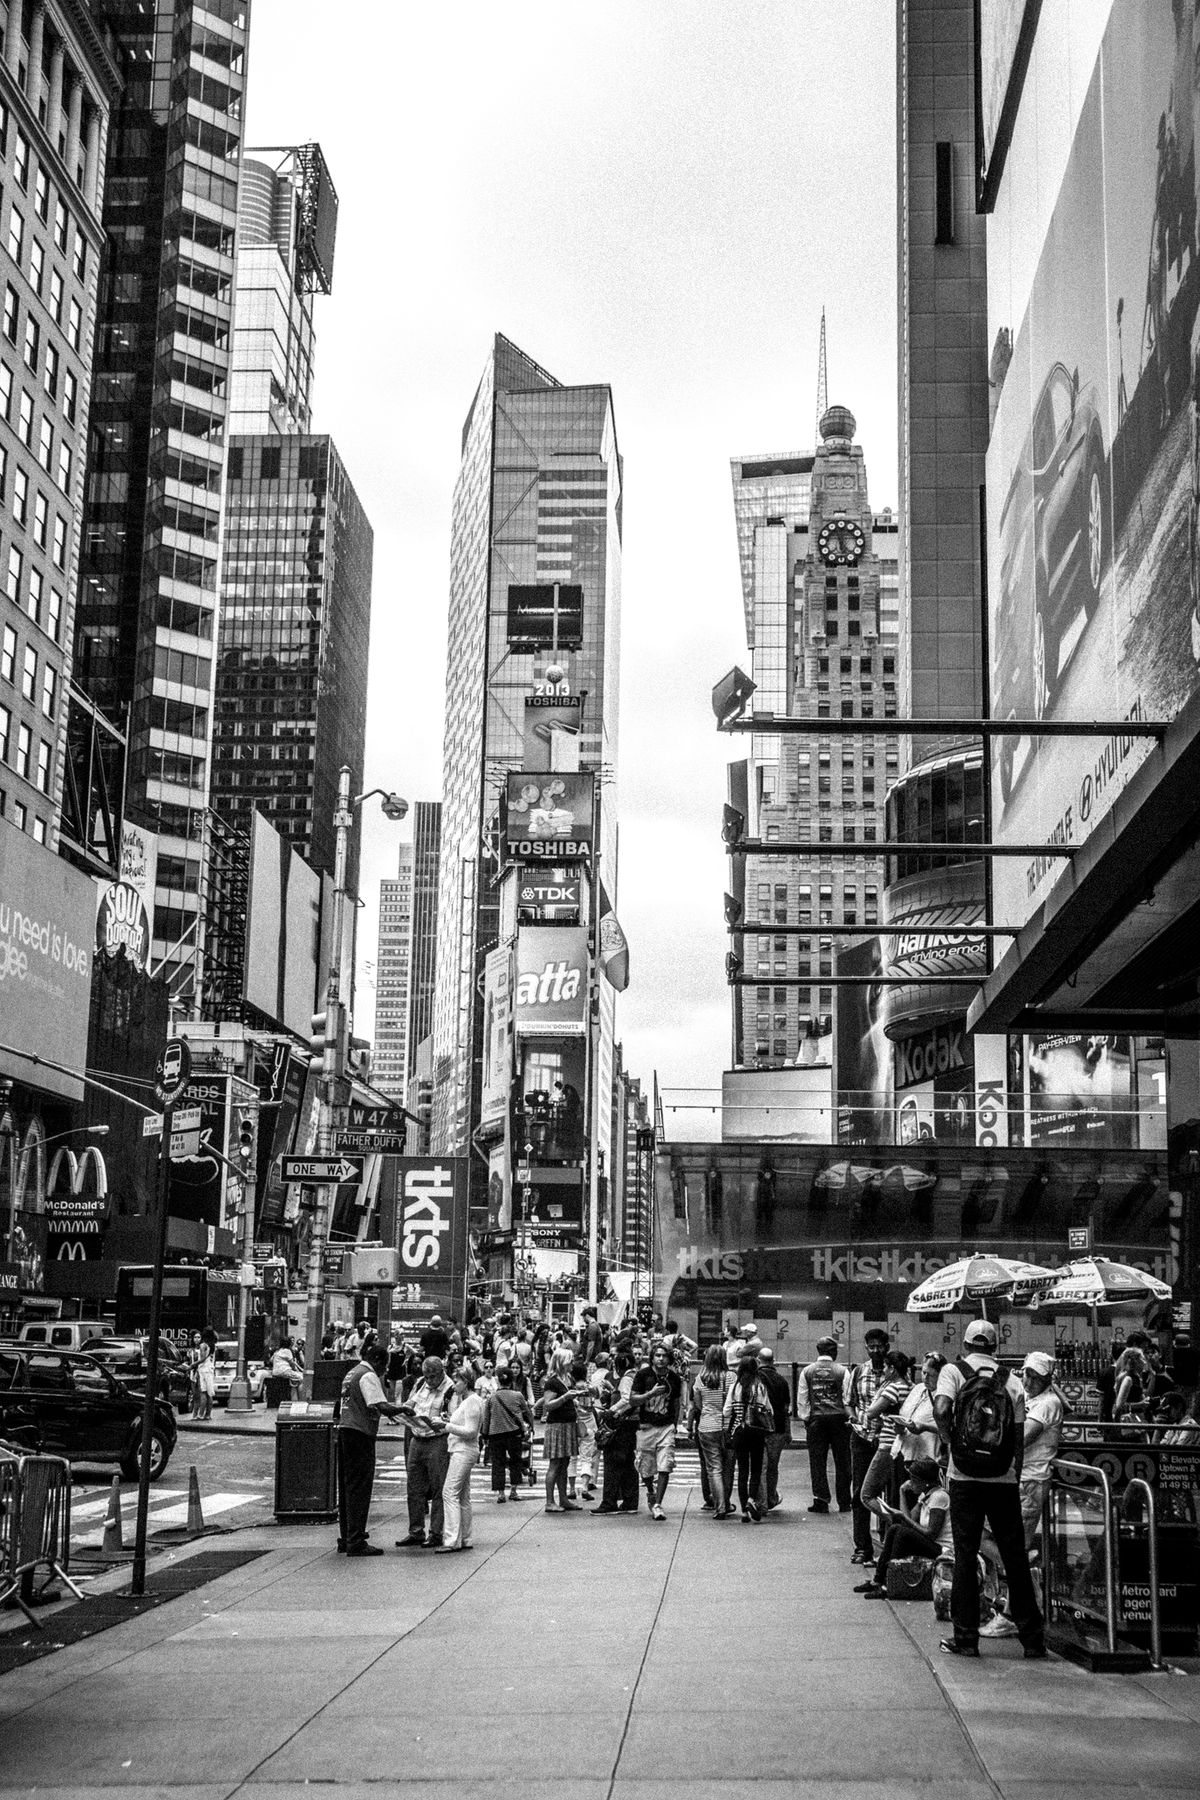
[840, 542]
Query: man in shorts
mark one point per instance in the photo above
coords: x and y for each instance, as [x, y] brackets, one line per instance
[655, 1396]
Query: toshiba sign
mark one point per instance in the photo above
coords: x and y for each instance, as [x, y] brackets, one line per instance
[551, 994]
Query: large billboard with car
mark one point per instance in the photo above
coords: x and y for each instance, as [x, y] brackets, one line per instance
[1093, 474]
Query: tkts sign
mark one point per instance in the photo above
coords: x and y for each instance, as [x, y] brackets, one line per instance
[424, 1214]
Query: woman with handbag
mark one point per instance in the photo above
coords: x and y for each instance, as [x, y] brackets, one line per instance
[707, 1425]
[463, 1426]
[748, 1418]
[916, 1527]
[561, 1440]
[616, 1434]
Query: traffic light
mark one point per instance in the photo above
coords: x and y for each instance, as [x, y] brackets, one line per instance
[247, 1144]
[317, 1038]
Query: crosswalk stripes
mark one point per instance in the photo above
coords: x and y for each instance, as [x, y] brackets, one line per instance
[391, 1472]
[168, 1507]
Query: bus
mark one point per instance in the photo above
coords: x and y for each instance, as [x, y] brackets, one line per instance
[193, 1298]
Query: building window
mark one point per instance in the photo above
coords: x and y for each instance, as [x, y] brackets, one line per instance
[46, 445]
[33, 342]
[56, 295]
[20, 503]
[6, 386]
[79, 260]
[8, 655]
[41, 513]
[75, 326]
[54, 618]
[41, 195]
[29, 673]
[34, 602]
[49, 691]
[5, 732]
[12, 312]
[50, 372]
[70, 396]
[21, 161]
[60, 226]
[37, 266]
[59, 553]
[39, 830]
[24, 745]
[66, 463]
[25, 420]
[12, 581]
[16, 235]
[43, 766]
[19, 815]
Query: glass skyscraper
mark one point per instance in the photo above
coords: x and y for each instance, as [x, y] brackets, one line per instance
[291, 682]
[537, 503]
[146, 620]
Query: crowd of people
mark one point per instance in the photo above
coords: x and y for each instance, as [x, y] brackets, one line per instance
[948, 1460]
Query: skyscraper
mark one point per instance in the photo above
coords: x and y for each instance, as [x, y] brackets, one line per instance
[427, 850]
[146, 621]
[291, 684]
[393, 964]
[534, 603]
[820, 590]
[57, 87]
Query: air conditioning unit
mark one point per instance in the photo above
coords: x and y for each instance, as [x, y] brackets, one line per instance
[371, 1268]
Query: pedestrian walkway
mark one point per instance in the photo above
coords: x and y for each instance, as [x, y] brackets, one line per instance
[576, 1658]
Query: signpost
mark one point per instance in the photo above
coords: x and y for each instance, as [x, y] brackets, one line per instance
[320, 1171]
[172, 1071]
[185, 1133]
[372, 1143]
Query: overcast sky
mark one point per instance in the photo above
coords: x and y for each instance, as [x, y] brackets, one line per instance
[653, 194]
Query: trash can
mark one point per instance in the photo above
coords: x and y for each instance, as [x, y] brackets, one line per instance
[277, 1389]
[305, 1462]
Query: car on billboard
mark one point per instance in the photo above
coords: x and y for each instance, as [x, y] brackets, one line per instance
[1055, 543]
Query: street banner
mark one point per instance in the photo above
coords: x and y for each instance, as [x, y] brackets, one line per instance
[424, 1213]
[497, 1038]
[552, 981]
[548, 818]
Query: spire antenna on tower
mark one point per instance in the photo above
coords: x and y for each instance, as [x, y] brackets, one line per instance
[822, 382]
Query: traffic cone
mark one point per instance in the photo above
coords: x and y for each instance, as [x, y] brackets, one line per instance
[195, 1520]
[114, 1540]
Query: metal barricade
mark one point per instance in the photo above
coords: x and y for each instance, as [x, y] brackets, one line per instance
[35, 1528]
[1070, 1584]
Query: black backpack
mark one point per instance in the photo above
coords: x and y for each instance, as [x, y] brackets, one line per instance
[983, 1433]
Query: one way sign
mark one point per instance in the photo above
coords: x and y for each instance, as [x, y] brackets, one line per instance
[325, 1171]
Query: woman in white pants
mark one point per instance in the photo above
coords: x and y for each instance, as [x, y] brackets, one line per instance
[462, 1432]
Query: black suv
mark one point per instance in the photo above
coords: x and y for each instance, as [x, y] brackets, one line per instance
[65, 1404]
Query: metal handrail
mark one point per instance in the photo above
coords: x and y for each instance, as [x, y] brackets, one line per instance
[1137, 1481]
[1089, 1473]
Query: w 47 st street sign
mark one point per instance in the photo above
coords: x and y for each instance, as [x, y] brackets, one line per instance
[321, 1171]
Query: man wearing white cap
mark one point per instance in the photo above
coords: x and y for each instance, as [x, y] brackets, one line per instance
[981, 1415]
[1043, 1432]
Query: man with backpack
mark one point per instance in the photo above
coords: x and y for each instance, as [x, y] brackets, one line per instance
[980, 1414]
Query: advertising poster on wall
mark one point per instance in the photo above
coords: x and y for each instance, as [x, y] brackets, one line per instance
[1005, 31]
[934, 1085]
[47, 926]
[1078, 1089]
[497, 1038]
[551, 995]
[553, 723]
[548, 1099]
[499, 1189]
[282, 930]
[863, 1053]
[125, 907]
[1092, 503]
[548, 818]
[548, 1207]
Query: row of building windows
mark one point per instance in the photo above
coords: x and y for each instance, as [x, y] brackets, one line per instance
[32, 759]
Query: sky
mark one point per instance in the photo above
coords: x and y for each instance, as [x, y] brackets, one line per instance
[655, 194]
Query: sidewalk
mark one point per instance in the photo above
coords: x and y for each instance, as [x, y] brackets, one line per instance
[571, 1657]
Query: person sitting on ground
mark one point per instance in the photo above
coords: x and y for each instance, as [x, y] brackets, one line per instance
[285, 1367]
[916, 1527]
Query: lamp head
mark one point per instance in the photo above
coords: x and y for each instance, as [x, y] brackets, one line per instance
[393, 806]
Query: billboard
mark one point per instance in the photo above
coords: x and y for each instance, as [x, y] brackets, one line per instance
[497, 1038]
[1004, 35]
[934, 1078]
[551, 994]
[47, 926]
[1078, 1089]
[548, 1105]
[197, 1183]
[864, 1057]
[1093, 497]
[553, 726]
[548, 894]
[125, 907]
[282, 930]
[548, 819]
[423, 1212]
[548, 1207]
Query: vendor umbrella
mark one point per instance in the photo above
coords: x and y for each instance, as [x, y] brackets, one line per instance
[980, 1278]
[1097, 1281]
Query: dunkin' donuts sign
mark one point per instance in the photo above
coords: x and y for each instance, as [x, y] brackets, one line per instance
[551, 993]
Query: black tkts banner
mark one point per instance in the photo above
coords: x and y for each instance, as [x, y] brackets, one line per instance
[423, 1212]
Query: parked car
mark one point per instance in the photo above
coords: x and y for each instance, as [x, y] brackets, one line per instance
[125, 1360]
[64, 1334]
[225, 1368]
[66, 1404]
[1055, 544]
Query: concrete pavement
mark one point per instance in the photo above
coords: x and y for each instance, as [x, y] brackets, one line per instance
[571, 1656]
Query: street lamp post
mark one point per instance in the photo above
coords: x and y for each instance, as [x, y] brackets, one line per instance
[332, 1086]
